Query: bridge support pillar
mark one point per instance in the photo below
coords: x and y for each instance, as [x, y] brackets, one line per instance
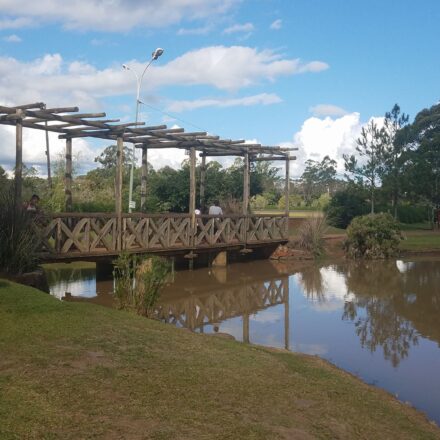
[221, 259]
[104, 270]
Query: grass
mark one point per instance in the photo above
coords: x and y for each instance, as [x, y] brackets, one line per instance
[73, 371]
[72, 265]
[292, 214]
[419, 241]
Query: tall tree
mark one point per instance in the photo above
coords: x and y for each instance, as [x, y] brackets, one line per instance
[395, 141]
[424, 169]
[318, 177]
[367, 171]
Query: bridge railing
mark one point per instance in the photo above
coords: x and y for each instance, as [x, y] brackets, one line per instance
[105, 233]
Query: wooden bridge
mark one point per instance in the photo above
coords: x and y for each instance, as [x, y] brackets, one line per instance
[79, 235]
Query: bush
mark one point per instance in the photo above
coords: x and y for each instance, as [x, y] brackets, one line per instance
[138, 282]
[373, 236]
[344, 206]
[311, 235]
[258, 202]
[18, 241]
[295, 201]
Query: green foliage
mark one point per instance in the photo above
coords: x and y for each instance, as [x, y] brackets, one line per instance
[321, 202]
[370, 147]
[18, 240]
[423, 173]
[317, 178]
[258, 202]
[295, 202]
[413, 214]
[344, 206]
[373, 236]
[138, 282]
[311, 235]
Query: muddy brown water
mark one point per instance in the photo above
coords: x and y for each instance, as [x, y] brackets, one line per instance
[377, 320]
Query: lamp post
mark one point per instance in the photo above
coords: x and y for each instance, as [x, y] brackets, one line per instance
[154, 56]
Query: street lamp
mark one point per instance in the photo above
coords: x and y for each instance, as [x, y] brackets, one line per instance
[154, 56]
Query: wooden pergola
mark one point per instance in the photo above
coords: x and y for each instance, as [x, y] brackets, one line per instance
[84, 234]
[70, 124]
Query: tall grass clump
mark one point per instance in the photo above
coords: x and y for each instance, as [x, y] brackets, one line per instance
[19, 241]
[311, 235]
[373, 236]
[138, 282]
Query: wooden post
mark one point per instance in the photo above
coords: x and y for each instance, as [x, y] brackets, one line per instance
[285, 285]
[144, 170]
[49, 174]
[192, 192]
[246, 186]
[118, 190]
[246, 339]
[18, 164]
[286, 195]
[202, 185]
[68, 175]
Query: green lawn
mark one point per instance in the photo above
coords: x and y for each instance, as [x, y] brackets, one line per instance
[421, 241]
[80, 371]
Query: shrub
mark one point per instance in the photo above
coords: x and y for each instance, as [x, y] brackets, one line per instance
[311, 235]
[18, 240]
[373, 236]
[321, 202]
[138, 282]
[295, 201]
[344, 206]
[258, 202]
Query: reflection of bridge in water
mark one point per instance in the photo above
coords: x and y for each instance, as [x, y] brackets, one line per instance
[209, 297]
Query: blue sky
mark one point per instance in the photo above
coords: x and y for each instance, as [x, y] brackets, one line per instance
[303, 73]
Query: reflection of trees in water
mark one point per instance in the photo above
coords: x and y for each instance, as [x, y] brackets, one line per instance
[312, 283]
[397, 306]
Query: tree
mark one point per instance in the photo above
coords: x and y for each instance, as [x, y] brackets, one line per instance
[423, 174]
[370, 147]
[345, 205]
[395, 148]
[108, 157]
[318, 177]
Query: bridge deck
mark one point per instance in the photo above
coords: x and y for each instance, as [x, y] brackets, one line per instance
[82, 235]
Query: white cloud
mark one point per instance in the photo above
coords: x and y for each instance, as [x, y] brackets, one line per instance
[14, 23]
[327, 110]
[114, 16]
[277, 24]
[34, 147]
[52, 80]
[320, 137]
[246, 27]
[12, 39]
[261, 99]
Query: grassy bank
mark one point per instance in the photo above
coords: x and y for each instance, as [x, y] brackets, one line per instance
[71, 370]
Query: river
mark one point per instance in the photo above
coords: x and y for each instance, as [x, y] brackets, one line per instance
[377, 320]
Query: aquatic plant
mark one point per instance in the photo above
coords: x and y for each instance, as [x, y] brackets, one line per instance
[138, 281]
[311, 235]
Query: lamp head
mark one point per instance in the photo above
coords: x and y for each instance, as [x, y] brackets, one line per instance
[157, 53]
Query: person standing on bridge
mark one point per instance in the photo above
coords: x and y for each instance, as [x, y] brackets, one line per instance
[215, 209]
